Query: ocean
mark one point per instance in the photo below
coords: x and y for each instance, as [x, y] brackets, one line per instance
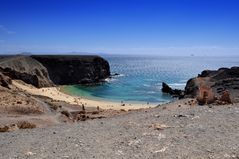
[141, 77]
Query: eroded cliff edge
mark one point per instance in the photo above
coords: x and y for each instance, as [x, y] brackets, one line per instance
[74, 69]
[26, 69]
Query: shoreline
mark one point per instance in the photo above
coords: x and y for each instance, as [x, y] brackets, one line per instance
[56, 94]
[101, 99]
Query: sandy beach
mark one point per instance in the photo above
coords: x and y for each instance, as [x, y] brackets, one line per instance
[56, 94]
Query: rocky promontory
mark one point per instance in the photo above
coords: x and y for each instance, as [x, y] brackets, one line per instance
[75, 69]
[211, 85]
[216, 81]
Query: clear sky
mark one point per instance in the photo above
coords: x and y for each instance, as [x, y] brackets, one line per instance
[163, 27]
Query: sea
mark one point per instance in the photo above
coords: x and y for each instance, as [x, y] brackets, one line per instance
[140, 77]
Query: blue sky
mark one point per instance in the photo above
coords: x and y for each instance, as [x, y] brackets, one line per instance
[163, 27]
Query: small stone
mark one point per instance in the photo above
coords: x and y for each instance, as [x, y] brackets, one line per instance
[159, 126]
[29, 153]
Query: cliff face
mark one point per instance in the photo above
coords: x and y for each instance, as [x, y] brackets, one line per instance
[74, 69]
[26, 69]
[217, 80]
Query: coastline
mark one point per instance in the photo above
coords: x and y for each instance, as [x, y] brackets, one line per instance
[55, 93]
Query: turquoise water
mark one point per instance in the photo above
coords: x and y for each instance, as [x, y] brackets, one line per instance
[141, 77]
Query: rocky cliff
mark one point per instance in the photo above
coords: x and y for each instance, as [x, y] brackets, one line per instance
[74, 69]
[223, 79]
[26, 69]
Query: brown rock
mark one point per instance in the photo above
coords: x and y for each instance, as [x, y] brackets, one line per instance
[205, 95]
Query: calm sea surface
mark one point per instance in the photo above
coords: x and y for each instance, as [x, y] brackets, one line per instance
[141, 77]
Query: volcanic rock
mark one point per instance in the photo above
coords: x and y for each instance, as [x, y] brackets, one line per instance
[75, 69]
[217, 80]
[174, 92]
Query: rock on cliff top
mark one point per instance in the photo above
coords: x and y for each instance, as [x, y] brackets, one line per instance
[26, 69]
[75, 69]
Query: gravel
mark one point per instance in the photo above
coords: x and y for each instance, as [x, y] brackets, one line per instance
[196, 132]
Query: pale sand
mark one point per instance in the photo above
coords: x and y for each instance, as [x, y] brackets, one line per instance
[55, 94]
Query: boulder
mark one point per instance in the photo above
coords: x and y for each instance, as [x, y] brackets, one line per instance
[166, 88]
[205, 95]
[174, 92]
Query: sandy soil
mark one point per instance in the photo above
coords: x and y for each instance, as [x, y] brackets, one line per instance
[55, 94]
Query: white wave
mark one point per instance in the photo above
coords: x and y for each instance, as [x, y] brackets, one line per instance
[177, 85]
[110, 79]
[146, 85]
[121, 75]
[151, 92]
[183, 81]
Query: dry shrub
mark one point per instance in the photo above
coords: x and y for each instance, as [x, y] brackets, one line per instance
[225, 98]
[25, 125]
[66, 113]
[4, 129]
[205, 95]
[95, 112]
[26, 110]
[53, 106]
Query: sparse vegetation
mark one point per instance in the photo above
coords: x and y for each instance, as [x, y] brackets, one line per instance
[4, 129]
[225, 98]
[25, 125]
[19, 125]
[53, 106]
[25, 109]
[66, 113]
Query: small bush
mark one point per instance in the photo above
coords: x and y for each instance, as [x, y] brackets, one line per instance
[4, 129]
[53, 106]
[225, 98]
[26, 110]
[25, 125]
[66, 113]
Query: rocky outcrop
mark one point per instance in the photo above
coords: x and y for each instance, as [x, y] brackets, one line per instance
[173, 92]
[26, 69]
[5, 81]
[219, 81]
[75, 69]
